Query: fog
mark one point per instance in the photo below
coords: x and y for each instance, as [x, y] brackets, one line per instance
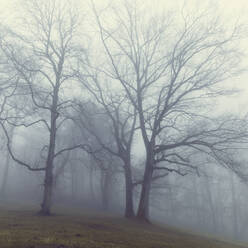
[128, 108]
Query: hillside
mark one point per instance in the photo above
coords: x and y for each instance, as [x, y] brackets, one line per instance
[24, 229]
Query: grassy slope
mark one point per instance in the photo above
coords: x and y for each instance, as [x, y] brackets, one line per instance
[21, 228]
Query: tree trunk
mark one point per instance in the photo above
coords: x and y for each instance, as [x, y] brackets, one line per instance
[47, 195]
[234, 208]
[221, 207]
[5, 177]
[6, 169]
[197, 206]
[91, 186]
[73, 182]
[143, 209]
[212, 207]
[172, 211]
[107, 180]
[48, 183]
[129, 211]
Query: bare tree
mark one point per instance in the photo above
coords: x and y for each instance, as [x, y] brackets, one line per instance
[169, 70]
[112, 125]
[8, 88]
[43, 57]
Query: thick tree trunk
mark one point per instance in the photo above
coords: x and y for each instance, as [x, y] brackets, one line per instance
[143, 209]
[48, 183]
[129, 211]
[47, 195]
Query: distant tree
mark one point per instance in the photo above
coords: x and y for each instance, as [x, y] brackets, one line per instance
[8, 88]
[6, 166]
[111, 123]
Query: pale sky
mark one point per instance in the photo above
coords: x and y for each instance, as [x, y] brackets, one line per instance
[229, 9]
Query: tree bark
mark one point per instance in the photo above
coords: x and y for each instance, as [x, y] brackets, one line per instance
[48, 183]
[47, 195]
[143, 209]
[129, 211]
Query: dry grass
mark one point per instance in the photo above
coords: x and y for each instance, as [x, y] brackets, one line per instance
[22, 228]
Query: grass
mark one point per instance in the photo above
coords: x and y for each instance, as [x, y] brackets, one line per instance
[21, 228]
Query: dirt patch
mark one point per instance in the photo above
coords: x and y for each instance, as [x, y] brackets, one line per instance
[97, 226]
[101, 227]
[47, 246]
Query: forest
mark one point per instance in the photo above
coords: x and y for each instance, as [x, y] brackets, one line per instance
[125, 117]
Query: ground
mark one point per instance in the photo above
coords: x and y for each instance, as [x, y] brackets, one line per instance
[22, 228]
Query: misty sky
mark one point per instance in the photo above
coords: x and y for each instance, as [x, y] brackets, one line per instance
[228, 9]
